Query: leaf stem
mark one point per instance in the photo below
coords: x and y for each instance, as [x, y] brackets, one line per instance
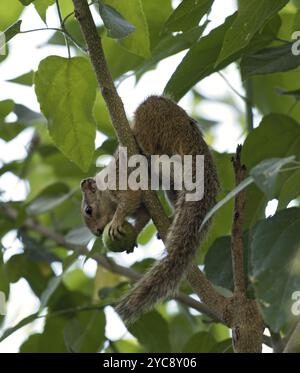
[249, 106]
[63, 27]
[65, 32]
[245, 99]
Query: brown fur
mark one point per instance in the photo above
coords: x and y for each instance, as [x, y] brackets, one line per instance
[160, 127]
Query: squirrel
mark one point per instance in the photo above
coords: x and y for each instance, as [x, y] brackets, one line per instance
[160, 126]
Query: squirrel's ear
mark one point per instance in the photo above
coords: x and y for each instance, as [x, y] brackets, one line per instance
[88, 185]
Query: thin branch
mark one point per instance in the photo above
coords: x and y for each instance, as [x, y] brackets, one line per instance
[276, 341]
[63, 27]
[249, 105]
[237, 251]
[65, 32]
[244, 98]
[41, 29]
[126, 138]
[267, 341]
[102, 260]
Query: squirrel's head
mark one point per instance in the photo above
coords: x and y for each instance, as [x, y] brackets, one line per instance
[96, 208]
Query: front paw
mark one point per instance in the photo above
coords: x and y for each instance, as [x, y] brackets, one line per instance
[116, 231]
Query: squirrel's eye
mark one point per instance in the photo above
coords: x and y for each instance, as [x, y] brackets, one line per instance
[88, 210]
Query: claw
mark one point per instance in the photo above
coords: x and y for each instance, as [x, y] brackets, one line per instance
[120, 231]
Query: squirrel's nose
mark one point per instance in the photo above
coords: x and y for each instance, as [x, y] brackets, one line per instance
[99, 231]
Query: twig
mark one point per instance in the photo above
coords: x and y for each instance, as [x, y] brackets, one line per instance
[64, 32]
[249, 105]
[244, 98]
[237, 251]
[125, 137]
[247, 324]
[276, 341]
[63, 27]
[110, 265]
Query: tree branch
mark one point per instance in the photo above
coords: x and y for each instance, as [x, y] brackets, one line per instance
[237, 251]
[199, 283]
[247, 324]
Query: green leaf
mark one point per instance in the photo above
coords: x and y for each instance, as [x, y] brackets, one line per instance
[36, 273]
[244, 184]
[123, 345]
[49, 291]
[198, 62]
[8, 131]
[11, 32]
[152, 332]
[289, 190]
[138, 42]
[41, 7]
[4, 282]
[102, 116]
[223, 347]
[221, 223]
[26, 2]
[276, 266]
[265, 174]
[86, 332]
[51, 197]
[156, 19]
[252, 16]
[31, 344]
[277, 136]
[181, 329]
[117, 27]
[147, 234]
[268, 61]
[119, 59]
[265, 92]
[10, 12]
[25, 79]
[77, 280]
[27, 320]
[200, 342]
[35, 251]
[170, 45]
[80, 235]
[52, 338]
[187, 15]
[66, 90]
[218, 263]
[27, 115]
[6, 107]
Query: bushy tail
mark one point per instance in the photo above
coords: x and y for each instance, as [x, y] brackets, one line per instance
[164, 277]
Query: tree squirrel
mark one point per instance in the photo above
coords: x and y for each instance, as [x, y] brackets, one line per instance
[160, 126]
